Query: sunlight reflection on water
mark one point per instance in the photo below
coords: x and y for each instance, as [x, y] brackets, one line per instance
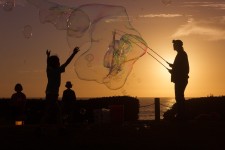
[147, 107]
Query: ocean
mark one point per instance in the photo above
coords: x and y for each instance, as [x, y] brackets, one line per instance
[147, 107]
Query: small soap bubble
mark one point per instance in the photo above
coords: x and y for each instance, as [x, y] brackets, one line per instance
[166, 2]
[89, 57]
[27, 31]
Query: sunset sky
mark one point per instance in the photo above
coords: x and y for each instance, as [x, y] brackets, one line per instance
[200, 24]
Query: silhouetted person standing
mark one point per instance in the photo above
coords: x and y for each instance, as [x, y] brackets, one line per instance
[68, 103]
[54, 70]
[179, 76]
[18, 103]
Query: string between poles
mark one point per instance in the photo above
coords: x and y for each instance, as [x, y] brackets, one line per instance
[150, 53]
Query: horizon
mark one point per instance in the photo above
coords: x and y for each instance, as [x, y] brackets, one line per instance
[82, 98]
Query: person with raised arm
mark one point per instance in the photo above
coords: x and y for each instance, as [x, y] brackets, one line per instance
[54, 70]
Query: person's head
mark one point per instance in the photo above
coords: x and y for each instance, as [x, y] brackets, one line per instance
[53, 61]
[177, 45]
[18, 87]
[68, 84]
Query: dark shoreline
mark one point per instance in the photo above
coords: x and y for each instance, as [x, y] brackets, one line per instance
[197, 108]
[207, 133]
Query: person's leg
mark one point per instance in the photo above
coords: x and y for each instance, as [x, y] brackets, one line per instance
[50, 108]
[180, 99]
[59, 113]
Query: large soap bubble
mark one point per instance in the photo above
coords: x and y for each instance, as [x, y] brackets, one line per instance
[120, 57]
[53, 13]
[113, 42]
[109, 43]
[78, 31]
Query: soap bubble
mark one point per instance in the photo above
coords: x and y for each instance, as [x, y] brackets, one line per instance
[27, 31]
[166, 2]
[109, 44]
[8, 5]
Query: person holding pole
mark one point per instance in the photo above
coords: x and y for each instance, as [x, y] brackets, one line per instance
[179, 76]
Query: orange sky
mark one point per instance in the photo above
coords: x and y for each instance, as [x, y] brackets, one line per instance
[199, 24]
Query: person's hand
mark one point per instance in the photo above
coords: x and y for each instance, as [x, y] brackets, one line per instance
[171, 65]
[48, 52]
[76, 50]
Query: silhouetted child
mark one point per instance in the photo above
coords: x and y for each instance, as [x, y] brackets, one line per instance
[68, 103]
[18, 103]
[54, 70]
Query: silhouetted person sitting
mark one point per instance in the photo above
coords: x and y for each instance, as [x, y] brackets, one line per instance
[54, 70]
[18, 103]
[68, 103]
[179, 76]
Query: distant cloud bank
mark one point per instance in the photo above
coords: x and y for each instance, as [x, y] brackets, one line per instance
[161, 15]
[212, 31]
[214, 4]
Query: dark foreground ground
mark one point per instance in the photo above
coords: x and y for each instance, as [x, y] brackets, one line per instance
[141, 135]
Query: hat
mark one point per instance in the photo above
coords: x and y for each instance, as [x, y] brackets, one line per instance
[68, 84]
[178, 42]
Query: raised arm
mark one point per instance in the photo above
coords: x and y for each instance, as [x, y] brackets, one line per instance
[75, 51]
[48, 54]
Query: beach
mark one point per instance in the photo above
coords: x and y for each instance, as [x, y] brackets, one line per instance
[129, 135]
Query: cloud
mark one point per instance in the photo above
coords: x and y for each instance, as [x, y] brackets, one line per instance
[119, 19]
[210, 31]
[161, 15]
[131, 18]
[217, 5]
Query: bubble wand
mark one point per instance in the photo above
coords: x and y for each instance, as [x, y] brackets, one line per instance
[148, 52]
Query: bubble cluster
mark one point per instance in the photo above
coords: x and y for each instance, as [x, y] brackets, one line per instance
[120, 58]
[104, 33]
[8, 5]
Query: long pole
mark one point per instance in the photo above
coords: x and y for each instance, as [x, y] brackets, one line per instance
[158, 61]
[149, 48]
[150, 53]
